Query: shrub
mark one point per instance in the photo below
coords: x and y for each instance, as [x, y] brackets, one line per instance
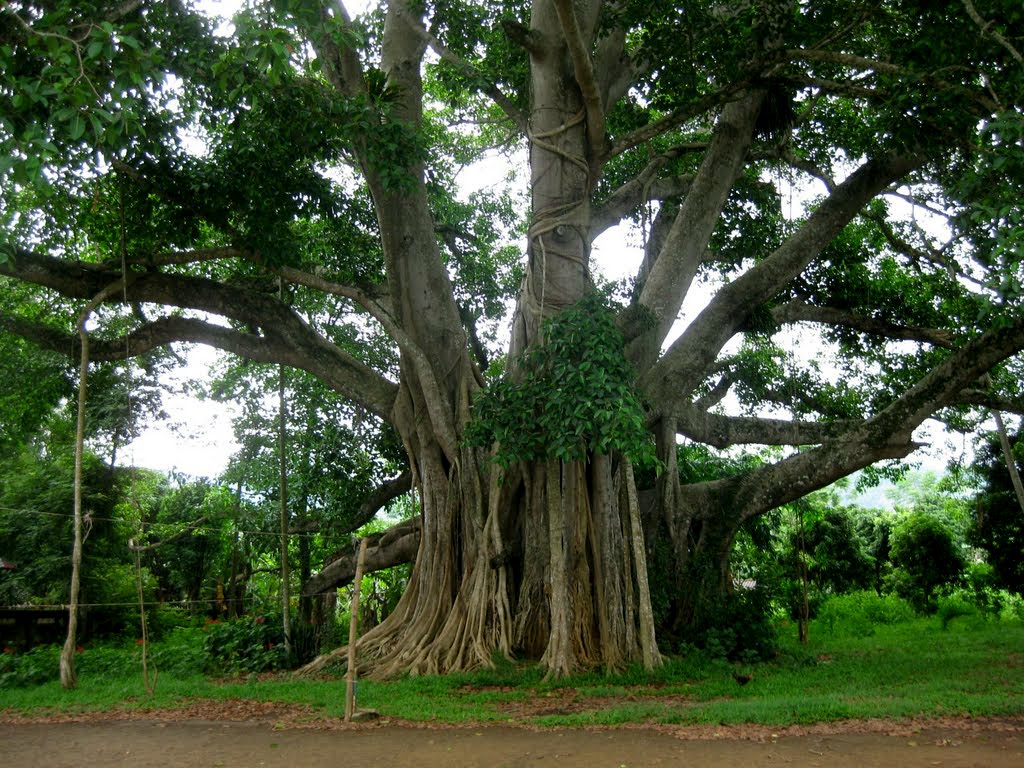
[20, 670]
[182, 652]
[954, 605]
[164, 620]
[248, 644]
[1013, 607]
[738, 627]
[108, 660]
[987, 601]
[857, 613]
[839, 560]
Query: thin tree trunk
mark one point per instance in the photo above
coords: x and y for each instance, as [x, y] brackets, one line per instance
[149, 686]
[68, 677]
[286, 623]
[234, 593]
[305, 561]
[804, 619]
[1011, 462]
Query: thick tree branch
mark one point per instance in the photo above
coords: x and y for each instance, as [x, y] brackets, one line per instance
[380, 497]
[887, 434]
[376, 395]
[613, 67]
[173, 537]
[374, 304]
[723, 431]
[395, 546]
[993, 402]
[692, 355]
[431, 386]
[797, 311]
[677, 118]
[676, 264]
[587, 81]
[945, 382]
[188, 257]
[341, 65]
[489, 89]
[643, 188]
[800, 164]
[717, 393]
[282, 336]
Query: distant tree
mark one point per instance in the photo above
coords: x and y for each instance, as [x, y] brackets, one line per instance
[999, 526]
[838, 560]
[35, 532]
[926, 556]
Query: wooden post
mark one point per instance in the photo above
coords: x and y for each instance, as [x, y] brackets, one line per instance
[353, 628]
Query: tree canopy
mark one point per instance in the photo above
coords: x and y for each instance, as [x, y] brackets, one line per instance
[288, 191]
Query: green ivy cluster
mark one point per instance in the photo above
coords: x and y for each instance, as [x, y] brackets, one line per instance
[569, 396]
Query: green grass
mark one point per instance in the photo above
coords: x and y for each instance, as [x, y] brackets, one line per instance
[915, 668]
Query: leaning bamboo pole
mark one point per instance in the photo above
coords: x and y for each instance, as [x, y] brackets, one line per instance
[353, 630]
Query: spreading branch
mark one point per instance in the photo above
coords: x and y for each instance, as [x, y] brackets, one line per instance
[692, 355]
[797, 311]
[679, 258]
[173, 537]
[380, 497]
[673, 120]
[985, 399]
[279, 334]
[643, 188]
[882, 67]
[885, 435]
[341, 63]
[723, 431]
[988, 30]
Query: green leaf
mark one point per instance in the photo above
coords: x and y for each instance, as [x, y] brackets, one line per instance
[76, 128]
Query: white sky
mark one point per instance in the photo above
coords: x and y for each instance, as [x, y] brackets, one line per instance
[198, 439]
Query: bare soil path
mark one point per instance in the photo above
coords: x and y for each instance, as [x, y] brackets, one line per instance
[280, 739]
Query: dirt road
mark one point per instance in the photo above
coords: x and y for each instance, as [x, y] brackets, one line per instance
[150, 743]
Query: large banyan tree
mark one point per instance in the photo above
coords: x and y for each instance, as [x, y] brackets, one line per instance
[835, 178]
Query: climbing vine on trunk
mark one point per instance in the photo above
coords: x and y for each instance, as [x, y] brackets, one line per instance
[570, 395]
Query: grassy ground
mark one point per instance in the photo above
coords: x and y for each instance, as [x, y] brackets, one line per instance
[916, 668]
